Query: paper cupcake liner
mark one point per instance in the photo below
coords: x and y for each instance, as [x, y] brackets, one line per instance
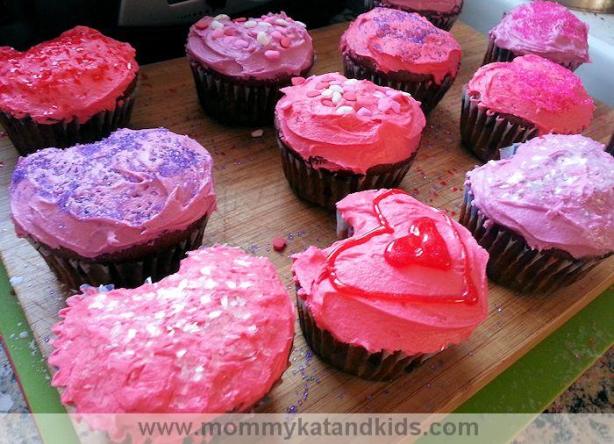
[325, 187]
[354, 359]
[441, 20]
[128, 269]
[484, 132]
[29, 136]
[496, 54]
[235, 102]
[426, 91]
[514, 264]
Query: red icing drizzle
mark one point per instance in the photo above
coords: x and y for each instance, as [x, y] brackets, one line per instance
[407, 251]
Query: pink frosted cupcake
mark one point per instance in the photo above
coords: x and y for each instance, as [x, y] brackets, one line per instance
[116, 211]
[510, 102]
[544, 214]
[214, 338]
[408, 283]
[338, 136]
[403, 51]
[441, 13]
[544, 28]
[240, 65]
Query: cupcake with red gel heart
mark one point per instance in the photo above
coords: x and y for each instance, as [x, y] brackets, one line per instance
[239, 65]
[406, 284]
[213, 338]
[338, 136]
[511, 102]
[441, 13]
[116, 211]
[404, 51]
[76, 88]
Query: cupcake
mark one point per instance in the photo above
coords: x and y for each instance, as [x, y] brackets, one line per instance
[543, 28]
[403, 51]
[338, 136]
[115, 211]
[441, 13]
[213, 338]
[240, 65]
[510, 102]
[544, 214]
[406, 284]
[77, 88]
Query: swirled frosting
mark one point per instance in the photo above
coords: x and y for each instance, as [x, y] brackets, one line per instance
[347, 124]
[544, 28]
[265, 48]
[392, 41]
[212, 338]
[409, 278]
[537, 90]
[557, 192]
[77, 75]
[123, 191]
[442, 6]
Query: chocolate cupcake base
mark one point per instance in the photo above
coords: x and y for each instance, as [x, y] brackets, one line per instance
[421, 87]
[357, 360]
[236, 102]
[325, 187]
[126, 269]
[496, 54]
[485, 132]
[439, 19]
[28, 136]
[514, 264]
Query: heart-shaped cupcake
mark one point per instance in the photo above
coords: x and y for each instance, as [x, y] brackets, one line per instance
[82, 79]
[409, 282]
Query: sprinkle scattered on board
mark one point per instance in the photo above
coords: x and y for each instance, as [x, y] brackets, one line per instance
[279, 244]
[257, 133]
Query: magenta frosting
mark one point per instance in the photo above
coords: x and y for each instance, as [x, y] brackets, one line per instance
[125, 190]
[544, 28]
[262, 48]
[557, 192]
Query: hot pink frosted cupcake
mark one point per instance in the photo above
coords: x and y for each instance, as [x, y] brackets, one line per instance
[339, 135]
[403, 51]
[240, 65]
[509, 102]
[213, 338]
[544, 214]
[116, 211]
[441, 13]
[544, 28]
[406, 284]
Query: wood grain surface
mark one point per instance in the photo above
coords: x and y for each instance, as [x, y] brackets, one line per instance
[256, 205]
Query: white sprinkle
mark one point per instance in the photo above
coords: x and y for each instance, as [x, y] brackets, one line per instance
[345, 110]
[252, 329]
[221, 17]
[159, 315]
[224, 301]
[257, 133]
[327, 93]
[246, 285]
[405, 93]
[216, 25]
[298, 22]
[231, 284]
[23, 334]
[336, 97]
[181, 353]
[131, 334]
[350, 82]
[16, 280]
[215, 314]
[265, 24]
[250, 24]
[153, 330]
[242, 262]
[205, 299]
[337, 88]
[209, 284]
[281, 22]
[206, 270]
[263, 38]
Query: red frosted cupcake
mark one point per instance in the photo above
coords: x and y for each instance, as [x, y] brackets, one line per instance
[544, 28]
[77, 88]
[338, 136]
[545, 214]
[240, 65]
[116, 211]
[406, 284]
[214, 338]
[403, 51]
[509, 102]
[441, 13]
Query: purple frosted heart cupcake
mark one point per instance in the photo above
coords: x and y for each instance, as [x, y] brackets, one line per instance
[545, 214]
[240, 65]
[116, 211]
[543, 28]
[441, 13]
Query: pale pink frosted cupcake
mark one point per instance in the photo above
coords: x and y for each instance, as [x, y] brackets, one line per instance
[544, 28]
[441, 13]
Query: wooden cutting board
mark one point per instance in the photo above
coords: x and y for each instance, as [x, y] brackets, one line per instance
[255, 205]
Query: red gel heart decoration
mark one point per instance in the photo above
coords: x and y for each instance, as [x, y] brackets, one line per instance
[422, 246]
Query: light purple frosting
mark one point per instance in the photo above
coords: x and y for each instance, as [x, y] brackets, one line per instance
[557, 192]
[104, 197]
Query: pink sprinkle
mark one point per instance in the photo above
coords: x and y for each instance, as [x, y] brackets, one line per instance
[285, 42]
[229, 31]
[363, 112]
[271, 54]
[313, 93]
[241, 43]
[327, 102]
[349, 95]
[216, 34]
[298, 81]
[279, 244]
[322, 85]
[396, 106]
[276, 35]
[240, 19]
[257, 133]
[384, 104]
[201, 25]
[284, 105]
